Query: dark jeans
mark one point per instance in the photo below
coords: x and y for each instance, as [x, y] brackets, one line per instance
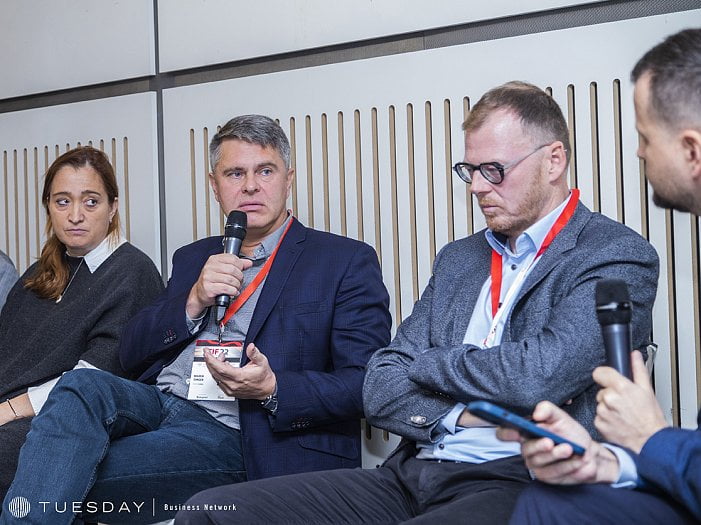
[126, 450]
[403, 490]
[596, 505]
[12, 436]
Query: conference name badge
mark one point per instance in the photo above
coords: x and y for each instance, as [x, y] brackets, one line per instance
[202, 385]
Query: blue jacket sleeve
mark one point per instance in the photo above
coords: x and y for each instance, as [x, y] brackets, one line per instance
[671, 462]
[160, 331]
[360, 325]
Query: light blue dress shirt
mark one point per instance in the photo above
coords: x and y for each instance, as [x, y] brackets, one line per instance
[479, 444]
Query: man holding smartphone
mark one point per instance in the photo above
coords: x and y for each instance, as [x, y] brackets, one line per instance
[662, 464]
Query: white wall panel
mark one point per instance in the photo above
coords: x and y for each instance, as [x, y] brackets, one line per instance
[61, 44]
[215, 31]
[123, 127]
[422, 93]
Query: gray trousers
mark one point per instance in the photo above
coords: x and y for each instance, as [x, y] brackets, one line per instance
[12, 437]
[403, 490]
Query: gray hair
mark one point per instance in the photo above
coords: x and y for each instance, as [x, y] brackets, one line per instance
[674, 67]
[254, 129]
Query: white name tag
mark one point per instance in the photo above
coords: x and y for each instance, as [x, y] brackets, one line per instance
[202, 384]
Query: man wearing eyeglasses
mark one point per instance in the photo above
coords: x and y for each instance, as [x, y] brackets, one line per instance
[508, 316]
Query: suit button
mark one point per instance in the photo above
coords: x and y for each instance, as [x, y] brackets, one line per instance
[418, 420]
[169, 336]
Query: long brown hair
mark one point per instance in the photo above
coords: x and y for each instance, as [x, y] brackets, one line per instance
[51, 275]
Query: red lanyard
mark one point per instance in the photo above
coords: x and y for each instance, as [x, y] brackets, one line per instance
[255, 283]
[560, 223]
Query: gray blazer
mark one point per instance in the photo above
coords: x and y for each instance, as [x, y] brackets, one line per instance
[551, 343]
[8, 277]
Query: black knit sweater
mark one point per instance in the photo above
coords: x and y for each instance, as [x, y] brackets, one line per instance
[40, 339]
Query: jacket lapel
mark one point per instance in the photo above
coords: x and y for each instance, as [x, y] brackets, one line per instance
[565, 241]
[287, 255]
[473, 280]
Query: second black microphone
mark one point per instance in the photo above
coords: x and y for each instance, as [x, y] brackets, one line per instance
[614, 312]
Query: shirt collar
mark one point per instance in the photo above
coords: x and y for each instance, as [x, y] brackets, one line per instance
[531, 239]
[95, 257]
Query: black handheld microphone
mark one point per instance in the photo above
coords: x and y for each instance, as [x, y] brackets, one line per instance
[234, 233]
[613, 309]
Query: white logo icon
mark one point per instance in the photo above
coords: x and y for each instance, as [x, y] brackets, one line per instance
[19, 507]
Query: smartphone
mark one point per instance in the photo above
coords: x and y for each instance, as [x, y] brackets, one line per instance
[502, 417]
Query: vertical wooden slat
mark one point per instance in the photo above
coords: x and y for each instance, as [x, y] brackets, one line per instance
[468, 194]
[37, 201]
[395, 211]
[672, 318]
[448, 153]
[359, 175]
[595, 158]
[376, 184]
[26, 207]
[293, 164]
[127, 199]
[412, 201]
[429, 176]
[193, 184]
[571, 124]
[342, 174]
[325, 170]
[6, 193]
[114, 154]
[206, 187]
[310, 178]
[16, 201]
[618, 151]
[696, 291]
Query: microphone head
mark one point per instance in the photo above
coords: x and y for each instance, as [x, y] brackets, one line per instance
[236, 224]
[613, 302]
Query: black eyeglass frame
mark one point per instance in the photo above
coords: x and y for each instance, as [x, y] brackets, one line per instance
[501, 168]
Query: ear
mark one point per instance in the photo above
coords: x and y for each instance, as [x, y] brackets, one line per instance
[557, 160]
[213, 184]
[691, 147]
[290, 180]
[114, 207]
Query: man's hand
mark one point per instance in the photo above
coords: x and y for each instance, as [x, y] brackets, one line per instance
[222, 274]
[255, 380]
[556, 463]
[627, 413]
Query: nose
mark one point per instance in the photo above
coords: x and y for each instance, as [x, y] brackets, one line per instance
[479, 184]
[250, 183]
[75, 213]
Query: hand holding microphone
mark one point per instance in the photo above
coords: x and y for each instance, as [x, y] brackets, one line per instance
[613, 309]
[222, 274]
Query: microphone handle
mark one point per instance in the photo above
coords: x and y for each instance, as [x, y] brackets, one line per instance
[617, 343]
[232, 245]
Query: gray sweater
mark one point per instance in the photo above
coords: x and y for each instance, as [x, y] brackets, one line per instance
[40, 339]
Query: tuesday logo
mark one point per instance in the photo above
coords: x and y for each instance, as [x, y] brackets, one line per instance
[19, 507]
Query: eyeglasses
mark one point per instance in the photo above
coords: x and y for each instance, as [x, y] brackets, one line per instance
[492, 171]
